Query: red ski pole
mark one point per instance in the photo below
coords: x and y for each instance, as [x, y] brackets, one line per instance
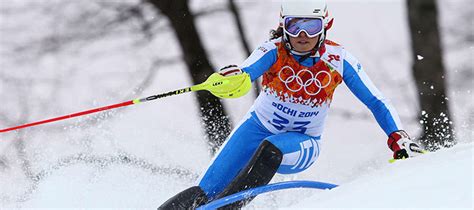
[113, 106]
[224, 87]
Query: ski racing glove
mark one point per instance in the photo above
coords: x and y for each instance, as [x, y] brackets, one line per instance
[402, 146]
[230, 70]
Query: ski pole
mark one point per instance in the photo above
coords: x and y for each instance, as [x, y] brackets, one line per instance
[113, 106]
[216, 84]
[393, 160]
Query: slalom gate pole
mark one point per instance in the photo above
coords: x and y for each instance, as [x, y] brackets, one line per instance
[113, 106]
[264, 189]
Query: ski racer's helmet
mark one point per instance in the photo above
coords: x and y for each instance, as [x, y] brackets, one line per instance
[310, 16]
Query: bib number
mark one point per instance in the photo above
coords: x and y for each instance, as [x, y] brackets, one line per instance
[281, 123]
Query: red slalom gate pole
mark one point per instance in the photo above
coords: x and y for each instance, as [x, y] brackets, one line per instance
[114, 106]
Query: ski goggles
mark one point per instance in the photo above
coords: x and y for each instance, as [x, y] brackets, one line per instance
[293, 26]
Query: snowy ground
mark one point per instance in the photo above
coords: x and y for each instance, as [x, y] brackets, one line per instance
[145, 154]
[439, 180]
[442, 180]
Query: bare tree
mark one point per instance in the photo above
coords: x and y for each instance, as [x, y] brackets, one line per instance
[88, 25]
[234, 10]
[99, 20]
[216, 122]
[91, 22]
[429, 74]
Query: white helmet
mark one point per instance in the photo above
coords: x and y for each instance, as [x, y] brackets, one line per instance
[305, 9]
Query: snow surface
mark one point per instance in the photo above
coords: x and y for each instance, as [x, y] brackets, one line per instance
[437, 180]
[143, 155]
[441, 180]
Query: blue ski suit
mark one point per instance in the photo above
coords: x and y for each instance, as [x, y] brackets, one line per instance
[292, 107]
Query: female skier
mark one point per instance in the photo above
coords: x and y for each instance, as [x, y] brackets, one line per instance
[282, 130]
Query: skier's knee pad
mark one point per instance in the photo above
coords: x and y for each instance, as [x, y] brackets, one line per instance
[299, 151]
[259, 171]
[190, 198]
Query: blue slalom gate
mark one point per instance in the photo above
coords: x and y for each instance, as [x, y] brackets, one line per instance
[264, 189]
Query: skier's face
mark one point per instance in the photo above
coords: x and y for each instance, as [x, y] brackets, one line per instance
[303, 43]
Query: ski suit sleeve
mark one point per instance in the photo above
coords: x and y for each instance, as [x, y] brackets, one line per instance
[260, 60]
[362, 87]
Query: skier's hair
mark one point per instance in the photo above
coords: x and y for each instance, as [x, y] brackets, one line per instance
[276, 33]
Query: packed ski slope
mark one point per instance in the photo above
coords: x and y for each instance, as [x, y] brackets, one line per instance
[142, 155]
[438, 180]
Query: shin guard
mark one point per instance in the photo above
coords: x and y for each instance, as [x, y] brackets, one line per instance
[259, 171]
[190, 198]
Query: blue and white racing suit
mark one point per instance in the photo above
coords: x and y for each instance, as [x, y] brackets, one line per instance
[291, 109]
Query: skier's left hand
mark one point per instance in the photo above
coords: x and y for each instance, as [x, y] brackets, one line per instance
[402, 146]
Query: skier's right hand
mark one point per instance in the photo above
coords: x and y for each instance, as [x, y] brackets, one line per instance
[229, 82]
[402, 146]
[230, 70]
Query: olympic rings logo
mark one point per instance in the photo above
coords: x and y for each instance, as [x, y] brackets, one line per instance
[296, 77]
